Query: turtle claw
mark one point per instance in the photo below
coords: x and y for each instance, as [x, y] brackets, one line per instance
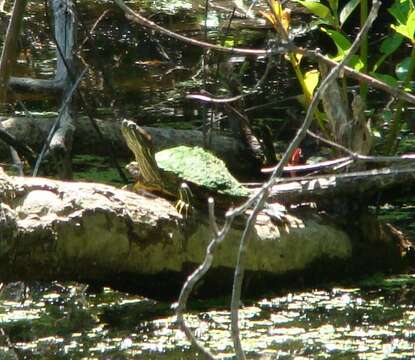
[184, 202]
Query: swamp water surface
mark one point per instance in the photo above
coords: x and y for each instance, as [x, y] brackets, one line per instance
[372, 320]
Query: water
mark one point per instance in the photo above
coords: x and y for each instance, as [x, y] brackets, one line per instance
[372, 320]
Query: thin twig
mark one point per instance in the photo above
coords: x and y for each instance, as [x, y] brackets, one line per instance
[92, 30]
[143, 21]
[212, 218]
[363, 158]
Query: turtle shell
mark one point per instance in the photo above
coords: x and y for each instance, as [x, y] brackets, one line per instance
[200, 167]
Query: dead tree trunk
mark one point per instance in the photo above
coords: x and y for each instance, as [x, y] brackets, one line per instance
[58, 144]
[65, 30]
[9, 53]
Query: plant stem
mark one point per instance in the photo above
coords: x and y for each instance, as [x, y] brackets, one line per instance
[396, 124]
[363, 48]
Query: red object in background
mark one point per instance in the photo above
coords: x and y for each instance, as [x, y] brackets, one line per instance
[296, 159]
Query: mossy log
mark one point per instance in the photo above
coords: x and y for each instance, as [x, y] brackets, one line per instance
[53, 230]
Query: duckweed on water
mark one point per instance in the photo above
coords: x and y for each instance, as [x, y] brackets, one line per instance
[66, 323]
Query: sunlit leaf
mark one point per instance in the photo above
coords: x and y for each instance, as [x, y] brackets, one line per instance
[348, 10]
[401, 69]
[320, 10]
[285, 19]
[403, 30]
[411, 24]
[276, 8]
[229, 43]
[298, 57]
[356, 63]
[404, 13]
[311, 80]
[270, 17]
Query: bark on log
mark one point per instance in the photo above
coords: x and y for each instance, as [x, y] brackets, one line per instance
[24, 84]
[53, 230]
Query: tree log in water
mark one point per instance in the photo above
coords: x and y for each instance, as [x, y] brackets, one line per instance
[53, 230]
[33, 131]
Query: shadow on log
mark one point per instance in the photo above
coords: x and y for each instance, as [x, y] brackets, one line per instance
[53, 230]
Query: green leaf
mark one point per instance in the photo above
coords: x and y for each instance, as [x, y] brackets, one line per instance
[411, 24]
[400, 10]
[311, 80]
[391, 44]
[401, 69]
[404, 13]
[319, 10]
[356, 63]
[347, 10]
[403, 30]
[334, 6]
[388, 79]
[342, 43]
[388, 47]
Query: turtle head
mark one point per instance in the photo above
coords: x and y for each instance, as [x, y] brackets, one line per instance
[139, 142]
[137, 139]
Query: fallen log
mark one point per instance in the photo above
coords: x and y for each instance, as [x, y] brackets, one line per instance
[33, 132]
[360, 185]
[93, 233]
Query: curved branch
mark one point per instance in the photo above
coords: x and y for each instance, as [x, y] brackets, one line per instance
[398, 93]
[131, 14]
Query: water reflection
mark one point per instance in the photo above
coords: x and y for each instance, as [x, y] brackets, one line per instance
[66, 322]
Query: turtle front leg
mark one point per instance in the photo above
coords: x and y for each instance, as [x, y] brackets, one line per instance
[184, 201]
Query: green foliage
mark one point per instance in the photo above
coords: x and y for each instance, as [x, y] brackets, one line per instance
[319, 10]
[329, 14]
[388, 47]
[403, 31]
[402, 68]
[403, 12]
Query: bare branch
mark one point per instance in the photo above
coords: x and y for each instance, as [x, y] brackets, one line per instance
[212, 218]
[264, 193]
[131, 14]
[396, 92]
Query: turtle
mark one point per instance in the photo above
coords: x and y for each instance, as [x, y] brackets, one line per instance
[189, 174]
